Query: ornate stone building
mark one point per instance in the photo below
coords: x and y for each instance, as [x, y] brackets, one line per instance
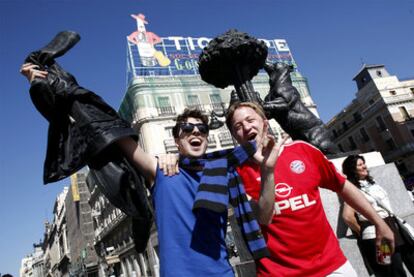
[113, 240]
[55, 243]
[380, 118]
[80, 232]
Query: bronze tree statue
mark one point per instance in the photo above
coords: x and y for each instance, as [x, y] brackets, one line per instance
[233, 58]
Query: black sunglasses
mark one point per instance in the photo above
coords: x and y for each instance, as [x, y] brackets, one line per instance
[189, 127]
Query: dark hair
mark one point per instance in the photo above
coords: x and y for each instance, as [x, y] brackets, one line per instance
[230, 112]
[182, 118]
[349, 169]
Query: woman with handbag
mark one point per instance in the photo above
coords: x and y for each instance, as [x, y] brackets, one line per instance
[355, 169]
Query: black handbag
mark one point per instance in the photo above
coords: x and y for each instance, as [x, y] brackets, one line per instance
[406, 230]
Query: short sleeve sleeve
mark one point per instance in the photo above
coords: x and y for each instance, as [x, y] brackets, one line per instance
[331, 178]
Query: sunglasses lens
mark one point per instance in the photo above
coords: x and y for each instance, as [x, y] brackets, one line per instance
[202, 128]
[189, 127]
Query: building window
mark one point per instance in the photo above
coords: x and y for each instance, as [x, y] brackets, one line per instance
[193, 102]
[393, 92]
[216, 102]
[340, 147]
[352, 144]
[379, 73]
[164, 106]
[412, 90]
[381, 124]
[335, 133]
[412, 132]
[371, 101]
[357, 116]
[404, 113]
[390, 143]
[364, 135]
[168, 131]
[345, 125]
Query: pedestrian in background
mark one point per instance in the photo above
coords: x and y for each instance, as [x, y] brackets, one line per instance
[355, 169]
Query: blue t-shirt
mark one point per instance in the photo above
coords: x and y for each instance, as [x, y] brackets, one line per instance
[190, 244]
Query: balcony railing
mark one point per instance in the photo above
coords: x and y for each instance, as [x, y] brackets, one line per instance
[110, 225]
[167, 110]
[225, 139]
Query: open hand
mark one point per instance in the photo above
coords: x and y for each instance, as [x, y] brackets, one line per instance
[268, 150]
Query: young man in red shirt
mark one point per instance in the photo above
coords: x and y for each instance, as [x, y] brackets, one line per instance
[294, 224]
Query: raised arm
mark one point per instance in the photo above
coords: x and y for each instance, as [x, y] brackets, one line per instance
[144, 162]
[355, 199]
[267, 155]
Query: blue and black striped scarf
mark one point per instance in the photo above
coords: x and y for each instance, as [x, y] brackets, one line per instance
[220, 183]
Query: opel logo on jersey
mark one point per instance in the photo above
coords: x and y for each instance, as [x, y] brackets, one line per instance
[294, 203]
[283, 190]
[297, 166]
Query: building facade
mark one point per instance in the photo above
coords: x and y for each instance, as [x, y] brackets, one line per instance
[67, 248]
[38, 265]
[380, 118]
[33, 264]
[80, 232]
[55, 245]
[114, 243]
[26, 268]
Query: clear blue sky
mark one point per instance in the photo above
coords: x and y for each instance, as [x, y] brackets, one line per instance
[328, 40]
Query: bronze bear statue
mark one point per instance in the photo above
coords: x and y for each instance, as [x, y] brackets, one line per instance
[283, 103]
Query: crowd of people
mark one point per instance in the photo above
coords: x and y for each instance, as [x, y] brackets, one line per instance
[274, 190]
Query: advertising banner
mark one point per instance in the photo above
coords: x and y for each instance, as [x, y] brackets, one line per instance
[151, 55]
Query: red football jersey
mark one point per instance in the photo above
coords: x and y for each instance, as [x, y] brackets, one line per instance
[300, 239]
